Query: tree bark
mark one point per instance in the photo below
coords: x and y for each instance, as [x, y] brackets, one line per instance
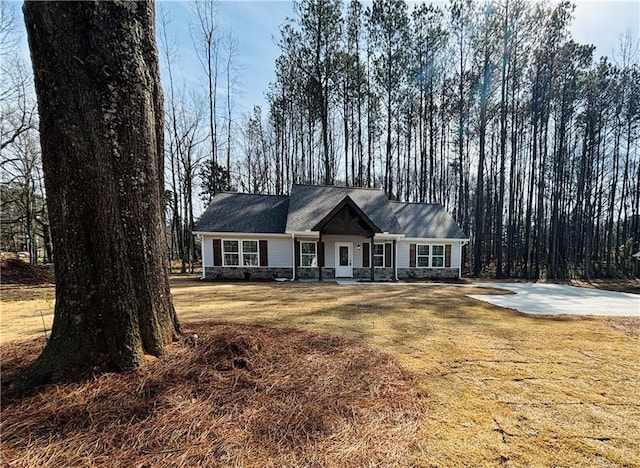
[101, 129]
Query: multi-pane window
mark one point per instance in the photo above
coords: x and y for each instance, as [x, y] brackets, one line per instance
[241, 253]
[429, 256]
[378, 255]
[422, 256]
[437, 256]
[231, 252]
[308, 254]
[250, 253]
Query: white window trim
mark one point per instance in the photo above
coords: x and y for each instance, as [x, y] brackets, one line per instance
[315, 254]
[430, 256]
[419, 256]
[240, 253]
[443, 256]
[383, 254]
[256, 253]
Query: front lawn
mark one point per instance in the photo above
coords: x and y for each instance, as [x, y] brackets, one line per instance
[502, 388]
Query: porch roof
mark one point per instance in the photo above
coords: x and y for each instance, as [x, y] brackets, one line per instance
[310, 205]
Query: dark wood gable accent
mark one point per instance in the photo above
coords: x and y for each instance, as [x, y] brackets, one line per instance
[217, 252]
[346, 218]
[264, 254]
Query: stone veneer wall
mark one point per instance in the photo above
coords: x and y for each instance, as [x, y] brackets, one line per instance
[380, 274]
[312, 273]
[306, 273]
[223, 273]
[328, 273]
[428, 273]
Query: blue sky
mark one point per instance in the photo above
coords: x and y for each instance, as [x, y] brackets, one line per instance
[603, 22]
[256, 24]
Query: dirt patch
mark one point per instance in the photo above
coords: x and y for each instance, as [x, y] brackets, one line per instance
[228, 395]
[15, 271]
[629, 285]
[628, 325]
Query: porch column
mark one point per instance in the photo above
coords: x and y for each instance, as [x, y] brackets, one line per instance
[320, 255]
[202, 241]
[394, 261]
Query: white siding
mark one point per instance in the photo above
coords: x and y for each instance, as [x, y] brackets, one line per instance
[456, 248]
[403, 251]
[330, 249]
[357, 255]
[207, 252]
[280, 252]
[329, 254]
[403, 254]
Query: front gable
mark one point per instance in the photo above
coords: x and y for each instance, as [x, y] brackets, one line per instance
[312, 207]
[347, 218]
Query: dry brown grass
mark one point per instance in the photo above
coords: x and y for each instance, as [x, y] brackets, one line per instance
[504, 388]
[25, 311]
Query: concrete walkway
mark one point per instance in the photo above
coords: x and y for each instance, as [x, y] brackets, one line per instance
[555, 299]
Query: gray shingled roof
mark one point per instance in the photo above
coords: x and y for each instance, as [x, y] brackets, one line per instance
[429, 221]
[311, 203]
[243, 212]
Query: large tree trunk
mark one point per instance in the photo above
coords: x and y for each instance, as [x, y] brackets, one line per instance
[100, 102]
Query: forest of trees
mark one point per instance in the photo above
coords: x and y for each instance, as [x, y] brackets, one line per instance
[489, 108]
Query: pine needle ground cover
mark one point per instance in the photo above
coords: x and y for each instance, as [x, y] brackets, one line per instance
[477, 385]
[228, 395]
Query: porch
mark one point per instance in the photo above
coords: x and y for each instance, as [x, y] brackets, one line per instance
[345, 244]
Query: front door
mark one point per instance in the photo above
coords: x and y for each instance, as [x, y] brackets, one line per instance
[344, 260]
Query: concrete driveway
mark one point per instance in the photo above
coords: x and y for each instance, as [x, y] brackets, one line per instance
[555, 299]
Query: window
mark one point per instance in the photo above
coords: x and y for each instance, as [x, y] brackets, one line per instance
[430, 256]
[241, 253]
[422, 257]
[378, 255]
[250, 253]
[308, 254]
[437, 256]
[231, 253]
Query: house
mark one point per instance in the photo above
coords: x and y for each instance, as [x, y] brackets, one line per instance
[323, 232]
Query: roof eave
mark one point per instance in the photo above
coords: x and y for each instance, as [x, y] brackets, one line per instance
[241, 234]
[387, 235]
[305, 233]
[436, 239]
